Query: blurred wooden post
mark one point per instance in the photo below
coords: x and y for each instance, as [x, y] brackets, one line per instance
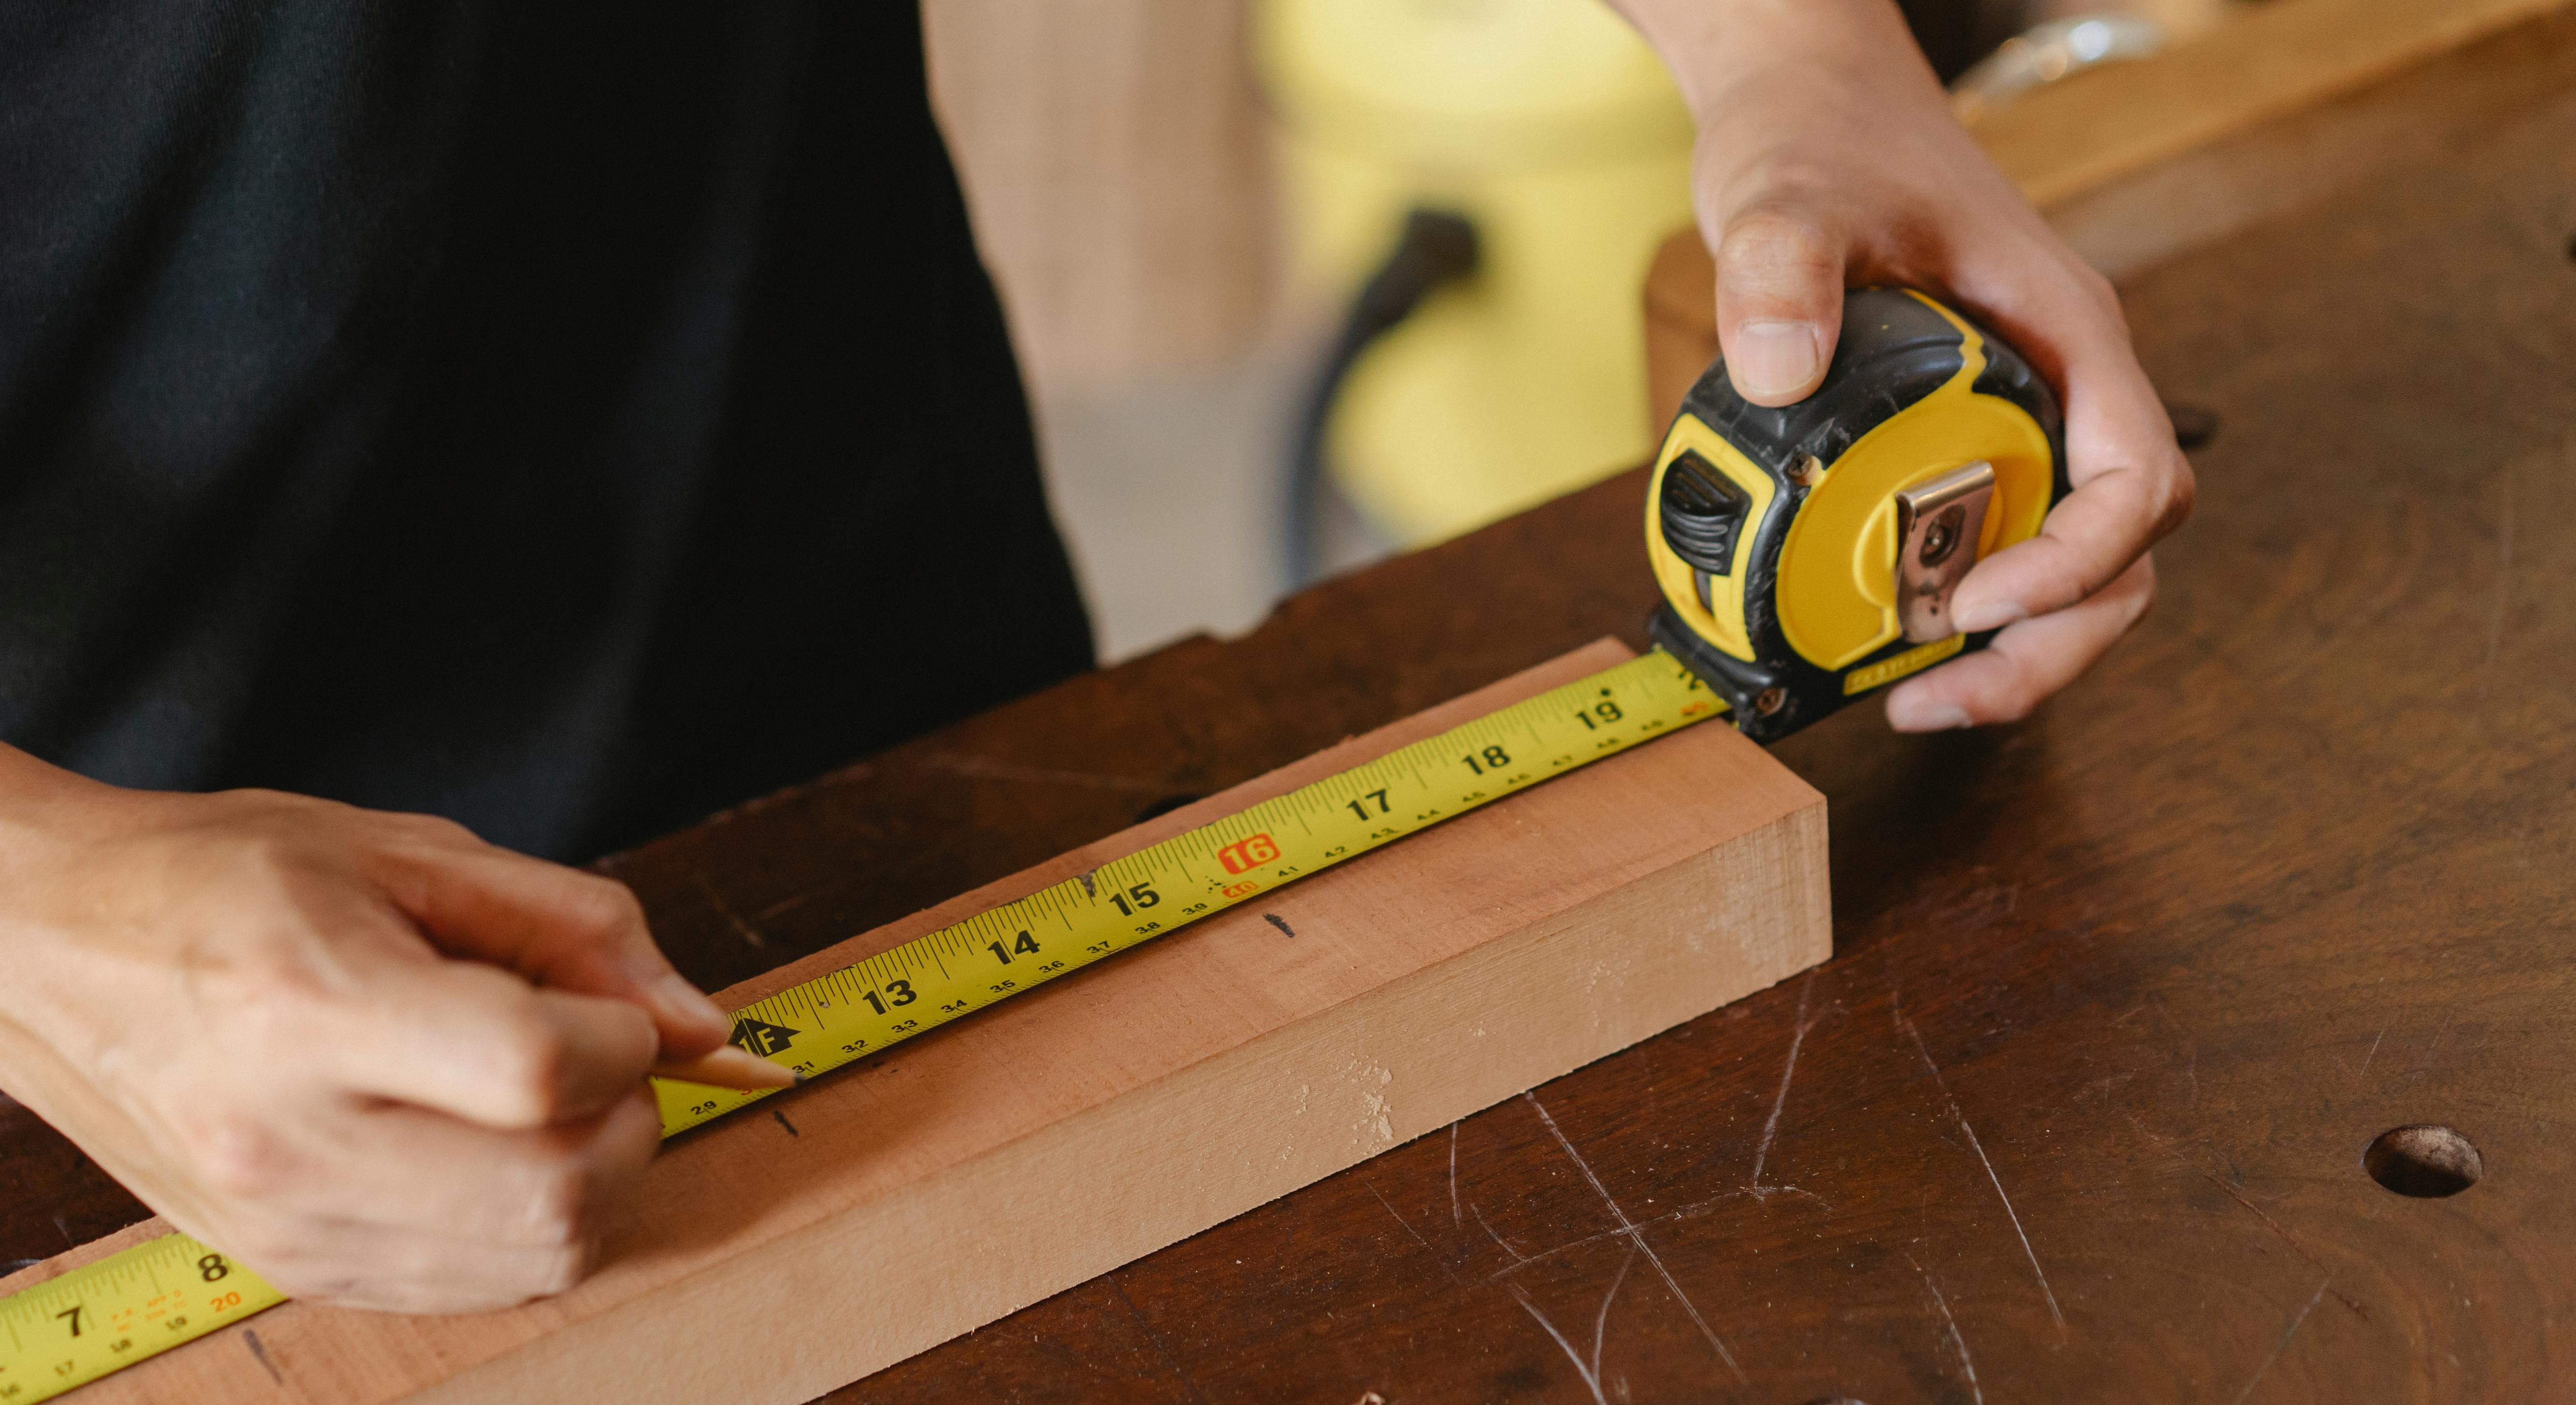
[1115, 155]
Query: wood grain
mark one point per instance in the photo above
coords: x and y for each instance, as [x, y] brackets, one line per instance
[2277, 167]
[994, 1162]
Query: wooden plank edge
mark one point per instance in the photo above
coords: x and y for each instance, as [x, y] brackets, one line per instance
[2065, 139]
[2126, 225]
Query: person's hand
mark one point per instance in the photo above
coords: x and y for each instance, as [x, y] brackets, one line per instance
[375, 1059]
[1828, 158]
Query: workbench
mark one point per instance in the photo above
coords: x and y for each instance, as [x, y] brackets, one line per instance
[2120, 995]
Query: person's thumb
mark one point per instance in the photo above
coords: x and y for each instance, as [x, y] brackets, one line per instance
[1779, 304]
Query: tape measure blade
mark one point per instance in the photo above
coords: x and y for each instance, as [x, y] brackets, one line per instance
[127, 1307]
[875, 1003]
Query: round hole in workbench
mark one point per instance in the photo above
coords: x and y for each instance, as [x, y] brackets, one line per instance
[2423, 1160]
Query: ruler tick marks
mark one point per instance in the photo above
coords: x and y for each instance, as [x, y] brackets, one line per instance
[893, 995]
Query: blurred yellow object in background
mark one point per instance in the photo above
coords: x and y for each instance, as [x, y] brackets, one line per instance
[1555, 131]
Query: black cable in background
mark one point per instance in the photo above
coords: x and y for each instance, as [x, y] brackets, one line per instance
[1438, 246]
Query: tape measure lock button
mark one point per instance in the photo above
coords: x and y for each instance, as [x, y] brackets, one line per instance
[1703, 512]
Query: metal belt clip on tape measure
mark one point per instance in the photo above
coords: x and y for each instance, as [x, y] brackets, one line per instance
[1806, 556]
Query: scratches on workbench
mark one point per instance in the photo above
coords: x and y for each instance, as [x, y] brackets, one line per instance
[1967, 1363]
[1435, 1254]
[2191, 1050]
[2504, 571]
[1155, 1339]
[2181, 1151]
[2283, 1344]
[2424, 1061]
[1591, 1374]
[1788, 1071]
[1601, 1319]
[1637, 1238]
[750, 935]
[1518, 1258]
[1454, 1217]
[2374, 1053]
[2054, 1313]
[2100, 1089]
[1692, 1211]
[2191, 1047]
[1562, 1344]
[1589, 1371]
[2292, 1240]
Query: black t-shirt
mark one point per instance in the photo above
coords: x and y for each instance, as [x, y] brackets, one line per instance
[571, 419]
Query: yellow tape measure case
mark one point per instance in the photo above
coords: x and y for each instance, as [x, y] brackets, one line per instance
[1806, 553]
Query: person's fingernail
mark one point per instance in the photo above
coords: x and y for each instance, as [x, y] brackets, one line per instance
[687, 1001]
[1773, 358]
[1989, 614]
[1912, 714]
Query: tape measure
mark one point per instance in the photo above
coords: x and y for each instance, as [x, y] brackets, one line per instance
[133, 1304]
[71, 1330]
[1807, 553]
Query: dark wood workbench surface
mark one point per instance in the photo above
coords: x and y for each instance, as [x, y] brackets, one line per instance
[2119, 995]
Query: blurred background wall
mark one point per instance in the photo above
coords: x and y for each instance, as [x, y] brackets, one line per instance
[1181, 198]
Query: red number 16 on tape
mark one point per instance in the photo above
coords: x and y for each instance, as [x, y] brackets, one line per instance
[1245, 855]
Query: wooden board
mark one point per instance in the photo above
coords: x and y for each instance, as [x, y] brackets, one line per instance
[772, 1257]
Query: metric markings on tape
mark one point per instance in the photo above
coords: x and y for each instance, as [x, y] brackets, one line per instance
[93, 1321]
[132, 1304]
